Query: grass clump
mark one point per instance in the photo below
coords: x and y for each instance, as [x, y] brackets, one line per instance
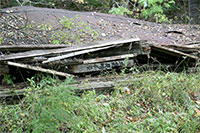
[160, 102]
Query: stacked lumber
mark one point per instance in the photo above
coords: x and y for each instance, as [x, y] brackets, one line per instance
[73, 59]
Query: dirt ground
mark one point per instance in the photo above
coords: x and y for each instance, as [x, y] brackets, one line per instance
[114, 27]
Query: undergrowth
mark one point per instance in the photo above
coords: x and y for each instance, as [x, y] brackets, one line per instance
[158, 102]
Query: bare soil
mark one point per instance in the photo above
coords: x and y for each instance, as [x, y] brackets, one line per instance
[114, 27]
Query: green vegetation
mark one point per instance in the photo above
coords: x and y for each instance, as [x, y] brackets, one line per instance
[72, 31]
[120, 11]
[168, 11]
[155, 10]
[159, 102]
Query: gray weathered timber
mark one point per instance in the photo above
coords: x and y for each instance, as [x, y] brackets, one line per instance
[80, 87]
[5, 94]
[40, 69]
[185, 48]
[123, 49]
[173, 52]
[111, 58]
[84, 68]
[34, 53]
[72, 54]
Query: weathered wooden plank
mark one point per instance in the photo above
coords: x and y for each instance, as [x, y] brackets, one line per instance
[84, 68]
[173, 52]
[72, 54]
[184, 48]
[5, 94]
[104, 85]
[34, 53]
[80, 87]
[111, 58]
[40, 69]
[123, 49]
[65, 62]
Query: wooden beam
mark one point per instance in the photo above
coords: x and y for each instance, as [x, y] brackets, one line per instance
[72, 54]
[40, 69]
[81, 87]
[111, 58]
[173, 52]
[84, 68]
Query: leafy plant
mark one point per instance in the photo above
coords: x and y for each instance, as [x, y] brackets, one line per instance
[154, 10]
[7, 79]
[149, 102]
[73, 30]
[120, 11]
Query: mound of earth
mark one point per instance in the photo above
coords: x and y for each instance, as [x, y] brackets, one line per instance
[109, 27]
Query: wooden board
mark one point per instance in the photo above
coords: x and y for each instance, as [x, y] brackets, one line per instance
[72, 54]
[111, 58]
[81, 87]
[84, 68]
[173, 52]
[40, 69]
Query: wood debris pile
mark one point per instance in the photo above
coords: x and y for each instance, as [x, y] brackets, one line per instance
[72, 60]
[66, 61]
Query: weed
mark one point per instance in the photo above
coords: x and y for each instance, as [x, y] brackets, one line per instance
[120, 11]
[160, 102]
[73, 31]
[7, 80]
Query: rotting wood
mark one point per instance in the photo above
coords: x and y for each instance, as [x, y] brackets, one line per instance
[111, 58]
[173, 52]
[184, 48]
[84, 68]
[34, 53]
[5, 94]
[72, 54]
[74, 61]
[103, 85]
[127, 48]
[98, 86]
[40, 69]
[17, 86]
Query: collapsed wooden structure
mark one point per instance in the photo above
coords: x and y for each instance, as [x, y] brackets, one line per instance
[68, 61]
[74, 59]
[65, 60]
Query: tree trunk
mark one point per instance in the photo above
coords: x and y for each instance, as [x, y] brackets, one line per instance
[194, 11]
